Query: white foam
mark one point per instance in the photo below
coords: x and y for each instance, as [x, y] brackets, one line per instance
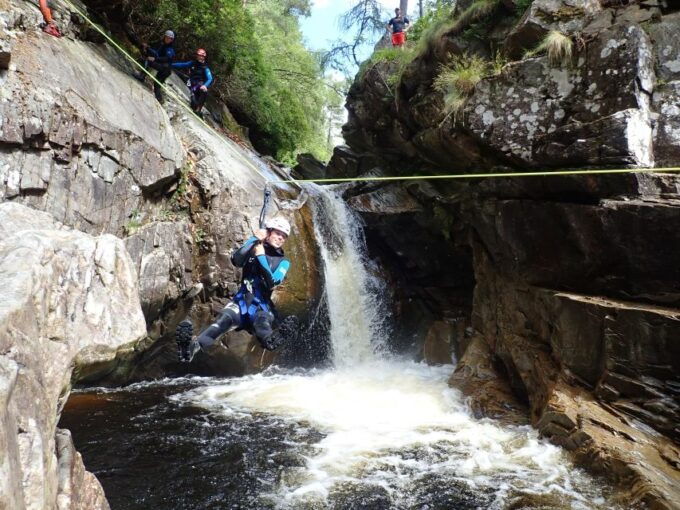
[371, 414]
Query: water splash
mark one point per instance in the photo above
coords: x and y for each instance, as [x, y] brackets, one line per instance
[397, 429]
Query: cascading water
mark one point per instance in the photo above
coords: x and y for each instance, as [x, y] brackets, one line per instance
[355, 310]
[373, 432]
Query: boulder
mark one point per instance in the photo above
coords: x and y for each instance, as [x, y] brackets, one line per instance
[522, 113]
[308, 167]
[70, 307]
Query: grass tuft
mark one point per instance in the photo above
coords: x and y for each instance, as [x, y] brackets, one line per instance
[558, 47]
[457, 81]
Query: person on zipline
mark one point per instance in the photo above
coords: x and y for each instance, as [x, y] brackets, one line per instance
[398, 26]
[160, 58]
[200, 79]
[264, 267]
[49, 26]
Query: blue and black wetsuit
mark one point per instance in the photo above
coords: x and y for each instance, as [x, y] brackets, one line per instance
[163, 55]
[251, 309]
[199, 75]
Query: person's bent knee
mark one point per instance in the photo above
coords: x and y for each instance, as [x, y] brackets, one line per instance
[263, 326]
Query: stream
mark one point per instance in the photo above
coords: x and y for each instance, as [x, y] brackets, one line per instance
[371, 430]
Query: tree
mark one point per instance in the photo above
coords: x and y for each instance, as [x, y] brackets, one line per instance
[364, 21]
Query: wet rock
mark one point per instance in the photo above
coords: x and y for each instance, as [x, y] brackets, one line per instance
[438, 346]
[71, 306]
[573, 295]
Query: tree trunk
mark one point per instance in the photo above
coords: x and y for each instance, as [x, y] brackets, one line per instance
[403, 5]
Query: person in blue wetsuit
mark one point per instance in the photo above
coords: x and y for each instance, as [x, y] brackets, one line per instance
[160, 58]
[200, 78]
[264, 267]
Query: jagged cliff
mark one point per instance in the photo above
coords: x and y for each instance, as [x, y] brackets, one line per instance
[118, 217]
[562, 289]
[93, 148]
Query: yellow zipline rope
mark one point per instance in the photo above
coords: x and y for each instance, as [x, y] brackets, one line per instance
[489, 175]
[545, 173]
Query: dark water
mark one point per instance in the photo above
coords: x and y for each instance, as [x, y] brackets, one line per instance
[151, 451]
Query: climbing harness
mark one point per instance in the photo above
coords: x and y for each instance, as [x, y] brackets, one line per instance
[297, 182]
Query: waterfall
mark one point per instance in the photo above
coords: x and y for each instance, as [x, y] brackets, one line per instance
[356, 307]
[372, 432]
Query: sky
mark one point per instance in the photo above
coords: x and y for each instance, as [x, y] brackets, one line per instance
[321, 28]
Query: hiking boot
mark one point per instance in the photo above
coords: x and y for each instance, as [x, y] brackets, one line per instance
[140, 77]
[187, 347]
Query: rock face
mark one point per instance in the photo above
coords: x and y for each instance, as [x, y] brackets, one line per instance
[560, 290]
[92, 147]
[70, 306]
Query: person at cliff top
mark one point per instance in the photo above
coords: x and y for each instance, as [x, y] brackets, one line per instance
[49, 26]
[398, 26]
[200, 79]
[160, 58]
[264, 267]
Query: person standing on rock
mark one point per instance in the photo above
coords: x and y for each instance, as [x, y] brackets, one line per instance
[49, 26]
[264, 267]
[398, 26]
[160, 58]
[200, 78]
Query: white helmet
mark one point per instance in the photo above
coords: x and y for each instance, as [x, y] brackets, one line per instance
[278, 223]
[170, 34]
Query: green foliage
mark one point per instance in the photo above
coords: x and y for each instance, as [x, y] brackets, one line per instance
[261, 66]
[399, 58]
[477, 11]
[559, 48]
[199, 235]
[437, 14]
[457, 80]
[133, 223]
[498, 63]
[521, 6]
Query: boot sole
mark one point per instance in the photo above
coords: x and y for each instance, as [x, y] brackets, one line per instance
[183, 335]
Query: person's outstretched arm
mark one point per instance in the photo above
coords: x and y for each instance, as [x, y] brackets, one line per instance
[182, 65]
